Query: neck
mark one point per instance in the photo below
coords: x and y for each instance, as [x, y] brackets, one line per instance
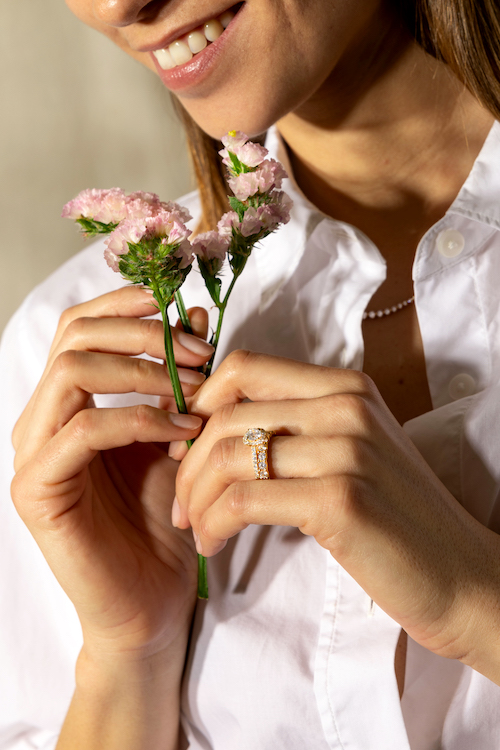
[388, 139]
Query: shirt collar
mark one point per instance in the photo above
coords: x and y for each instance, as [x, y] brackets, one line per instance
[479, 197]
[278, 257]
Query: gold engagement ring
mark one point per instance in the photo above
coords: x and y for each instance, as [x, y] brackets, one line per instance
[258, 439]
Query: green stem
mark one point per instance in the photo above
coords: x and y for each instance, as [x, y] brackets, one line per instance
[222, 309]
[170, 358]
[181, 406]
[181, 309]
[202, 578]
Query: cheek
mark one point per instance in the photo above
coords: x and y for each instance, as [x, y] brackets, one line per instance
[260, 89]
[289, 50]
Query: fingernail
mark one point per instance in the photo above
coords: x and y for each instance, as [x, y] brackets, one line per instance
[194, 344]
[188, 421]
[176, 513]
[197, 543]
[173, 447]
[191, 377]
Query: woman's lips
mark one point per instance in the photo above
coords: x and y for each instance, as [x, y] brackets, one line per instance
[185, 61]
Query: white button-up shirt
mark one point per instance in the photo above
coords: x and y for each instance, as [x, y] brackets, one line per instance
[289, 652]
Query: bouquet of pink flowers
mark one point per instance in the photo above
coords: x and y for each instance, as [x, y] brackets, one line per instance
[148, 241]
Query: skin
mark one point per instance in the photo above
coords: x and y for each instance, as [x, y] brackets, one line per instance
[380, 136]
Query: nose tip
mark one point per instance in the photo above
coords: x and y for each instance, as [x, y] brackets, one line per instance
[120, 12]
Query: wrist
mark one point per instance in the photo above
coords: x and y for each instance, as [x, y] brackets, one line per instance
[106, 663]
[125, 701]
[474, 639]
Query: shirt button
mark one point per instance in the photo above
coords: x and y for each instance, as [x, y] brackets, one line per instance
[461, 386]
[450, 242]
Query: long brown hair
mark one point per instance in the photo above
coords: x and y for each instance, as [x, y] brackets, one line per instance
[465, 34]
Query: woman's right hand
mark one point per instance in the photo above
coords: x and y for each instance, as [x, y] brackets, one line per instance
[95, 485]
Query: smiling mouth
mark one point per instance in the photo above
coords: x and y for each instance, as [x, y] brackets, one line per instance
[183, 50]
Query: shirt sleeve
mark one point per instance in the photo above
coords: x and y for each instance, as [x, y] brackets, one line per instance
[40, 635]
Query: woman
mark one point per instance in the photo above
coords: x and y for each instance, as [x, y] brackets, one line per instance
[303, 642]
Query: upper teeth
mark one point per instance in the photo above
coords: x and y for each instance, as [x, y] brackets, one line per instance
[182, 50]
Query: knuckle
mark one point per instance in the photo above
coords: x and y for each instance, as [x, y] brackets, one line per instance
[219, 422]
[76, 329]
[82, 424]
[238, 499]
[143, 416]
[17, 491]
[222, 456]
[361, 382]
[151, 328]
[19, 459]
[355, 406]
[65, 363]
[20, 489]
[143, 368]
[17, 432]
[236, 361]
[206, 528]
[66, 317]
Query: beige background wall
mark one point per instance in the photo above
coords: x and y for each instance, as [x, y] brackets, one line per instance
[76, 112]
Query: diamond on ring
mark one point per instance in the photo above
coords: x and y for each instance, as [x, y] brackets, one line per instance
[258, 439]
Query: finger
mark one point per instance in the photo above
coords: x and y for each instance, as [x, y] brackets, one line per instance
[198, 317]
[133, 336]
[231, 461]
[127, 302]
[287, 502]
[121, 335]
[341, 415]
[54, 475]
[260, 377]
[75, 375]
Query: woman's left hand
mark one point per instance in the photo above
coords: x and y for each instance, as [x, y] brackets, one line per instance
[344, 471]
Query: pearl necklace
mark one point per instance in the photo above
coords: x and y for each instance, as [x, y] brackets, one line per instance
[388, 310]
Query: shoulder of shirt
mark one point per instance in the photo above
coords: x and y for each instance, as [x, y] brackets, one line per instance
[81, 278]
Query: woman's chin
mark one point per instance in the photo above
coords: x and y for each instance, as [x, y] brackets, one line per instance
[217, 119]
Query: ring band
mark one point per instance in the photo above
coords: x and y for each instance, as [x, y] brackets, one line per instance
[258, 439]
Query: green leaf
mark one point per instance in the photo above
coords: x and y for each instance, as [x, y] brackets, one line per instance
[238, 167]
[212, 283]
[91, 227]
[237, 206]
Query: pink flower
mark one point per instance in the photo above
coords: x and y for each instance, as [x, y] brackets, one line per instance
[267, 177]
[211, 249]
[234, 139]
[105, 206]
[250, 154]
[261, 220]
[210, 245]
[112, 206]
[130, 230]
[164, 225]
[251, 223]
[140, 204]
[175, 208]
[275, 213]
[226, 224]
